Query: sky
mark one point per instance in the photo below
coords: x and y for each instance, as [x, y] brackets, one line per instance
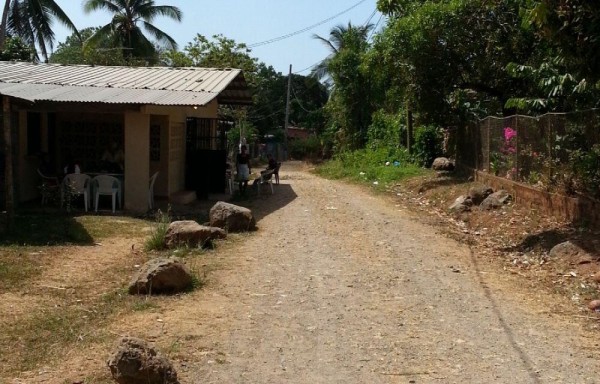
[250, 22]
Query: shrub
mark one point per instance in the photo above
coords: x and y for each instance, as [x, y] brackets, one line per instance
[586, 169]
[428, 145]
[369, 165]
[156, 241]
[386, 130]
[306, 149]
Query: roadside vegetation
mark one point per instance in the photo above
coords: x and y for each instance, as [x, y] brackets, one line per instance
[379, 168]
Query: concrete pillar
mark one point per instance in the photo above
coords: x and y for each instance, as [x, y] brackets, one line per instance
[137, 161]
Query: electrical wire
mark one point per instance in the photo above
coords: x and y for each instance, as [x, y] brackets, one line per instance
[300, 104]
[370, 18]
[307, 68]
[375, 28]
[283, 37]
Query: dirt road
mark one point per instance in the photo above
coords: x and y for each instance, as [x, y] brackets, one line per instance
[339, 286]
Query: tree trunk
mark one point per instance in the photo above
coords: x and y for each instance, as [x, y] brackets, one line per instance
[8, 161]
[4, 23]
[409, 128]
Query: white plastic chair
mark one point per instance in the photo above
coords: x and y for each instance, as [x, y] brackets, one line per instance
[230, 182]
[78, 184]
[107, 186]
[151, 191]
[49, 188]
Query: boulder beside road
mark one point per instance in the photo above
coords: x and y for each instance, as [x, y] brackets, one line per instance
[232, 218]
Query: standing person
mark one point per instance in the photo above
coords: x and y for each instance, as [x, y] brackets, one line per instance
[243, 169]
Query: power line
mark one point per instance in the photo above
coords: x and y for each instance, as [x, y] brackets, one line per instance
[370, 18]
[300, 104]
[375, 28]
[307, 68]
[279, 38]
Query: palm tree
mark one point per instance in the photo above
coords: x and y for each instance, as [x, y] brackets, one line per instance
[124, 31]
[31, 20]
[340, 37]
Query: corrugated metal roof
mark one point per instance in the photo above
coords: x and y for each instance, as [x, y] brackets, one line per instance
[122, 85]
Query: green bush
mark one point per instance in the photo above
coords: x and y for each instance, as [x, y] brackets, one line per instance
[586, 169]
[306, 149]
[381, 166]
[156, 241]
[428, 145]
[386, 130]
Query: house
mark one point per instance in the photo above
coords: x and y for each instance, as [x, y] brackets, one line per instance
[298, 133]
[164, 119]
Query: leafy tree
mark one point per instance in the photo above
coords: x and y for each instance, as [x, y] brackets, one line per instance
[72, 51]
[308, 97]
[16, 50]
[221, 52]
[565, 75]
[340, 37]
[266, 115]
[447, 72]
[131, 18]
[31, 20]
[349, 108]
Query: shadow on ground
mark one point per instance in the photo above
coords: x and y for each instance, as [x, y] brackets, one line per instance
[432, 183]
[41, 229]
[544, 241]
[261, 204]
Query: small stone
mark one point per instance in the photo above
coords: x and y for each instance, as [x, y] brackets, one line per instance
[479, 193]
[594, 305]
[596, 277]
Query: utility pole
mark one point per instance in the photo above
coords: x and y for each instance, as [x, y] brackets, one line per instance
[287, 114]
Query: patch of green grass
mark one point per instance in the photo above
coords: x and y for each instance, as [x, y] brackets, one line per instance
[156, 240]
[101, 227]
[369, 167]
[144, 304]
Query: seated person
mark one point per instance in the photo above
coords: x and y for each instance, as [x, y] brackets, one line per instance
[72, 166]
[113, 158]
[272, 163]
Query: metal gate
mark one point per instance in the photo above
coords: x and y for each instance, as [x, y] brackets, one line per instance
[206, 157]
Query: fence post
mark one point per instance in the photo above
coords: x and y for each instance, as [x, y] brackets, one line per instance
[488, 168]
[517, 167]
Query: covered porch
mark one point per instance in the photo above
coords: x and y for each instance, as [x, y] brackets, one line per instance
[164, 135]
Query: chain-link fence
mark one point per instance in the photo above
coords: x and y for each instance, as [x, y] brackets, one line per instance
[554, 152]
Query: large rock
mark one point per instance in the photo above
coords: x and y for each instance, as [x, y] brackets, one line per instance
[461, 204]
[496, 200]
[478, 193]
[192, 234]
[136, 362]
[442, 164]
[161, 276]
[231, 217]
[570, 252]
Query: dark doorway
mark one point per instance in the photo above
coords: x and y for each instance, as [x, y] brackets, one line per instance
[206, 157]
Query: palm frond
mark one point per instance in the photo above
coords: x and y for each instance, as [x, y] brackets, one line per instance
[160, 36]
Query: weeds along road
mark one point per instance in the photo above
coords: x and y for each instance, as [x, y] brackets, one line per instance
[340, 286]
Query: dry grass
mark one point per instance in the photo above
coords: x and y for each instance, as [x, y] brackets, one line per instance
[60, 299]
